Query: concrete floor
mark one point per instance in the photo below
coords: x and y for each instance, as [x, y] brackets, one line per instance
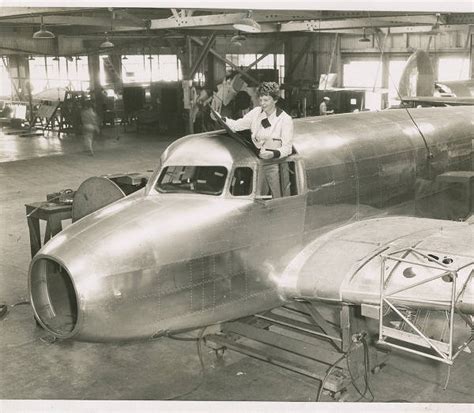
[32, 367]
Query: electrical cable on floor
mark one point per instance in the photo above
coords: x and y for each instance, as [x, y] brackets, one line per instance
[4, 308]
[323, 382]
[202, 373]
[20, 303]
[366, 372]
[367, 366]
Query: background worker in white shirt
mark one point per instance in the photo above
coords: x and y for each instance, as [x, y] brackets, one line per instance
[324, 107]
[271, 129]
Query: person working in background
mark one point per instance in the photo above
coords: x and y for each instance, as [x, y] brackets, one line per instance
[324, 107]
[90, 125]
[271, 130]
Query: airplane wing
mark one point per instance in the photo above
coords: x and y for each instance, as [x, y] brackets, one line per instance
[53, 94]
[408, 251]
[397, 270]
[440, 101]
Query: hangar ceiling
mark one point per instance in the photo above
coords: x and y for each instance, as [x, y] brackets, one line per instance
[83, 29]
[80, 21]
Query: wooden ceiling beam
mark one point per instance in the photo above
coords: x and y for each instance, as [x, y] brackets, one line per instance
[11, 12]
[315, 25]
[178, 21]
[424, 29]
[418, 19]
[130, 19]
[460, 18]
[75, 21]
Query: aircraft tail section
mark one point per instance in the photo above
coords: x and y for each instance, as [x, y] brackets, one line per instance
[418, 76]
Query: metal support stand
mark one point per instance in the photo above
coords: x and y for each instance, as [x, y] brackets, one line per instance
[298, 338]
[434, 349]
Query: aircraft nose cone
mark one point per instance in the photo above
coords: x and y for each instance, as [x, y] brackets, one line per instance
[54, 297]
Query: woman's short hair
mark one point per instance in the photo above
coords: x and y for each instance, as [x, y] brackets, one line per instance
[269, 89]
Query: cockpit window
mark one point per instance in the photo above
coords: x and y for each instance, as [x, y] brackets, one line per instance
[241, 183]
[207, 180]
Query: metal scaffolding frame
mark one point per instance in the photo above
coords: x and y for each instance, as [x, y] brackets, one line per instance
[445, 351]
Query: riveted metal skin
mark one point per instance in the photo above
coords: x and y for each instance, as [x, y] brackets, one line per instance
[153, 262]
[343, 264]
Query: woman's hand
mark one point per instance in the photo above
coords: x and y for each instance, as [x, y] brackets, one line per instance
[264, 154]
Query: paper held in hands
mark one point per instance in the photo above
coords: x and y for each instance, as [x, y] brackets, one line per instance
[247, 142]
[222, 123]
[216, 114]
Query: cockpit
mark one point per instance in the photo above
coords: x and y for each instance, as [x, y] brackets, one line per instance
[220, 166]
[207, 180]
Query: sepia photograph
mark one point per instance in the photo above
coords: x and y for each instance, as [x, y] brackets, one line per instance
[212, 206]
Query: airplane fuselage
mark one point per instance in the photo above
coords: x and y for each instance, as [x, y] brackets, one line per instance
[157, 262]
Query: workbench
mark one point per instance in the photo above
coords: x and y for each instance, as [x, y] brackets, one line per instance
[50, 212]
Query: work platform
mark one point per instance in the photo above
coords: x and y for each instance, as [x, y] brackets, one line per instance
[298, 338]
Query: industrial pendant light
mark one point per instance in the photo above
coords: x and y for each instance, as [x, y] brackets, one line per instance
[436, 28]
[42, 33]
[107, 44]
[364, 38]
[238, 39]
[247, 24]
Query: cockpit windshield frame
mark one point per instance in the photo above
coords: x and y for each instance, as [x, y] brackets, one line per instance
[194, 179]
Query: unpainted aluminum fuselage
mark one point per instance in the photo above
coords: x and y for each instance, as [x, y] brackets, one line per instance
[159, 262]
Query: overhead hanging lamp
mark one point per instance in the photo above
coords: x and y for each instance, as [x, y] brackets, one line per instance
[107, 44]
[42, 33]
[436, 28]
[238, 39]
[248, 24]
[364, 38]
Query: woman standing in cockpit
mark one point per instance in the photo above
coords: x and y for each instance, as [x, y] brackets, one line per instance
[272, 132]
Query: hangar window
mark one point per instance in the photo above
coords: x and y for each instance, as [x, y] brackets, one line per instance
[147, 68]
[395, 70]
[208, 180]
[78, 73]
[453, 68]
[362, 74]
[241, 183]
[274, 61]
[52, 72]
[5, 83]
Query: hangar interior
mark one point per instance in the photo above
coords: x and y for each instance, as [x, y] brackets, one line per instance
[149, 74]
